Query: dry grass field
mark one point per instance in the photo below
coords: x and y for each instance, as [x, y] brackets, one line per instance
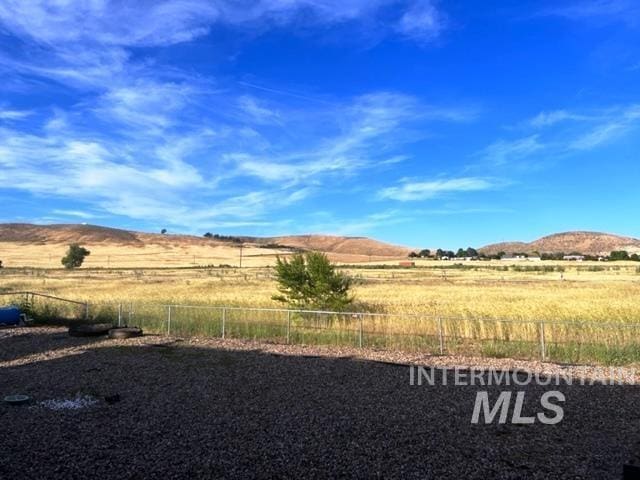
[565, 311]
[471, 300]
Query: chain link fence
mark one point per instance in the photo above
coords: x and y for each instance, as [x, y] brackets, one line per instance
[570, 342]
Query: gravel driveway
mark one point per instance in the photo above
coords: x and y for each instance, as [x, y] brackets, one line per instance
[155, 407]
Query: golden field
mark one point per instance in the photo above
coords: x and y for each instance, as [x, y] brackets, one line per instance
[465, 302]
[476, 289]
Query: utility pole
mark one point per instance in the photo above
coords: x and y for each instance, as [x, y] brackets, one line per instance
[241, 245]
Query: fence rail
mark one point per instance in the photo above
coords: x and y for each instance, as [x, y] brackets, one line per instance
[577, 341]
[35, 303]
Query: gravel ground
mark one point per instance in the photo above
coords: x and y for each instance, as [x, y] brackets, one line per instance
[158, 407]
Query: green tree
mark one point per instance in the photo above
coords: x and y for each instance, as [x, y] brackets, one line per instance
[310, 281]
[75, 256]
[424, 253]
[619, 255]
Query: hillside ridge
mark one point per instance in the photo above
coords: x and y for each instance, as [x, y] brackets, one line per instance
[585, 242]
[32, 234]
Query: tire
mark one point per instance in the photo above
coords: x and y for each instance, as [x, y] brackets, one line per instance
[91, 330]
[125, 332]
[16, 399]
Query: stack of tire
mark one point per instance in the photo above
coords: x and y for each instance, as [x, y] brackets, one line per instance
[102, 329]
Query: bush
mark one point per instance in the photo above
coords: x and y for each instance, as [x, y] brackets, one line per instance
[619, 255]
[310, 281]
[75, 256]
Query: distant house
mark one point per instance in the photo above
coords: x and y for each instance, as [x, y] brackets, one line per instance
[512, 258]
[574, 258]
[407, 264]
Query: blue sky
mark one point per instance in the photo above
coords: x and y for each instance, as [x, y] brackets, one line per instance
[417, 122]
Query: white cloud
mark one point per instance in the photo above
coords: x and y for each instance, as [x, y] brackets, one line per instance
[14, 114]
[144, 23]
[422, 21]
[599, 135]
[146, 104]
[410, 190]
[369, 129]
[613, 124]
[599, 11]
[74, 213]
[167, 22]
[256, 111]
[148, 141]
[503, 152]
[547, 119]
[584, 131]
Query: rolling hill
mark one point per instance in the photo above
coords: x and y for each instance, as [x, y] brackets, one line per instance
[591, 243]
[43, 245]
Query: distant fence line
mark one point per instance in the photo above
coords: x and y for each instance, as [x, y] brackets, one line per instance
[570, 341]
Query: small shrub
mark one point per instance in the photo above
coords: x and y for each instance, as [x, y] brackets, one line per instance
[310, 281]
[75, 256]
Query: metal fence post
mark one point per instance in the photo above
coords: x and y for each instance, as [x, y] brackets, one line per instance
[224, 319]
[119, 314]
[86, 311]
[288, 326]
[360, 332]
[542, 342]
[169, 320]
[441, 336]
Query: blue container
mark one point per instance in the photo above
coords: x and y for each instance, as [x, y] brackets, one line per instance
[9, 316]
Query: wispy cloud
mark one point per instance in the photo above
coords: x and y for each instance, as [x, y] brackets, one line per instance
[548, 119]
[369, 129]
[326, 223]
[167, 22]
[257, 112]
[14, 114]
[572, 132]
[149, 141]
[598, 136]
[74, 214]
[410, 190]
[142, 170]
[599, 11]
[423, 21]
[503, 152]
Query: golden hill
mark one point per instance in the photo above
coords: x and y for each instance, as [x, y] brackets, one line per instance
[590, 243]
[360, 246]
[44, 245]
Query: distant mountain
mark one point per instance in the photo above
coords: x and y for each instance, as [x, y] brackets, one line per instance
[590, 243]
[342, 245]
[30, 234]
